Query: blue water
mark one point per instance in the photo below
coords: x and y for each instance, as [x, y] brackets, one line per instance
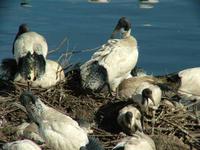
[168, 34]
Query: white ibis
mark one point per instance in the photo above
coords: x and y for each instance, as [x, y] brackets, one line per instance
[30, 51]
[59, 131]
[129, 119]
[143, 91]
[113, 61]
[99, 1]
[185, 83]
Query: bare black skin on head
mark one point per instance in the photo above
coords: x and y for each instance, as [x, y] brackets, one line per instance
[23, 28]
[123, 23]
[129, 130]
[128, 117]
[146, 94]
[26, 98]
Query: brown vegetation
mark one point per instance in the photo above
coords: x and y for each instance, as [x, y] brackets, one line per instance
[174, 128]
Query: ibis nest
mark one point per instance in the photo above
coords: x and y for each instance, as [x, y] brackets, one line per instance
[175, 128]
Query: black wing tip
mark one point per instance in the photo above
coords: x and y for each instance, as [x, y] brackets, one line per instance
[94, 144]
[40, 64]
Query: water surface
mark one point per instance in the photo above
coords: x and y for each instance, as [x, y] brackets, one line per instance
[168, 34]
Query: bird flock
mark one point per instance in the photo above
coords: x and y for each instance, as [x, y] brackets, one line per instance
[111, 68]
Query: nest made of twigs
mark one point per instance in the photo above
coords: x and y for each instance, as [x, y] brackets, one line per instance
[173, 126]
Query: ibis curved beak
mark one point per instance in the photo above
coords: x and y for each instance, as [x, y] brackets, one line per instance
[139, 125]
[151, 98]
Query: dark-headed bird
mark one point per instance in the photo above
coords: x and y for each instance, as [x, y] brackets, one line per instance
[30, 51]
[59, 131]
[144, 91]
[129, 119]
[113, 61]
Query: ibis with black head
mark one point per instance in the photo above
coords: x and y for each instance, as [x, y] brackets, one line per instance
[59, 131]
[144, 91]
[30, 51]
[113, 61]
[129, 119]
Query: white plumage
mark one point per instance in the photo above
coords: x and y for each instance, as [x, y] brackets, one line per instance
[139, 141]
[118, 57]
[132, 88]
[129, 118]
[99, 1]
[185, 82]
[156, 96]
[53, 74]
[149, 1]
[30, 42]
[30, 51]
[59, 131]
[21, 145]
[147, 4]
[143, 91]
[190, 83]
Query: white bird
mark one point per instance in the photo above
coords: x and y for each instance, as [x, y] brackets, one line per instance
[129, 119]
[144, 92]
[30, 51]
[139, 141]
[59, 131]
[20, 145]
[99, 1]
[185, 83]
[147, 4]
[113, 62]
[52, 75]
[149, 1]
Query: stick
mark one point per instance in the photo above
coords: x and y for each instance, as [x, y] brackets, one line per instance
[58, 47]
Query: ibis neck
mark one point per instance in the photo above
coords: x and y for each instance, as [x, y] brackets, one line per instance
[126, 34]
